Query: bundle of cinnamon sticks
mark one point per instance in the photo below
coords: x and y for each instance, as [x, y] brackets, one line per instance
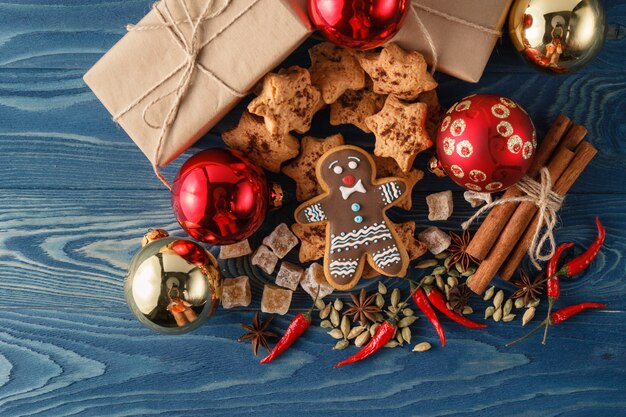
[506, 233]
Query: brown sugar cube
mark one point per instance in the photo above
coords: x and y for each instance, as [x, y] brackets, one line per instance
[235, 250]
[236, 292]
[435, 239]
[312, 241]
[289, 275]
[312, 279]
[281, 240]
[275, 299]
[265, 259]
[439, 205]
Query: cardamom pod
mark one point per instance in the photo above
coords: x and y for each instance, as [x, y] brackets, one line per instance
[467, 310]
[326, 324]
[345, 326]
[334, 317]
[374, 328]
[447, 261]
[356, 331]
[497, 300]
[380, 300]
[442, 255]
[406, 321]
[440, 283]
[395, 297]
[325, 311]
[529, 314]
[489, 312]
[336, 334]
[489, 293]
[429, 279]
[382, 288]
[428, 263]
[533, 303]
[508, 306]
[362, 339]
[469, 271]
[340, 345]
[508, 317]
[379, 317]
[407, 312]
[497, 315]
[439, 270]
[399, 338]
[453, 273]
[319, 303]
[338, 304]
[452, 281]
[392, 344]
[519, 303]
[406, 334]
[422, 347]
[459, 267]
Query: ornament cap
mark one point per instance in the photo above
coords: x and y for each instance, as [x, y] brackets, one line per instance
[152, 235]
[277, 196]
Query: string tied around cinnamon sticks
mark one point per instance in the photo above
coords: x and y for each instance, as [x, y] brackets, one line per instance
[548, 202]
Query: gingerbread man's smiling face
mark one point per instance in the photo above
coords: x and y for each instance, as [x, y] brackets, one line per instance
[347, 170]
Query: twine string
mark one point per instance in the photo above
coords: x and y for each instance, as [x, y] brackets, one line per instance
[548, 202]
[415, 5]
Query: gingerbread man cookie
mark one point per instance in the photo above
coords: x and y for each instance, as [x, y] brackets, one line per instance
[353, 207]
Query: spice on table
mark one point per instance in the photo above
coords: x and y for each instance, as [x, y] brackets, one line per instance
[530, 290]
[560, 316]
[258, 333]
[363, 308]
[552, 284]
[458, 248]
[298, 325]
[581, 262]
[383, 335]
[458, 297]
[439, 302]
[422, 302]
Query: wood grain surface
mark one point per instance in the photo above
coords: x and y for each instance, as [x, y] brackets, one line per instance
[76, 195]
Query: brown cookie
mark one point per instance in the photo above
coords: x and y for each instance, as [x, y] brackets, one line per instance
[396, 71]
[354, 106]
[353, 206]
[312, 241]
[251, 138]
[435, 111]
[302, 169]
[334, 70]
[387, 167]
[287, 102]
[400, 131]
[406, 234]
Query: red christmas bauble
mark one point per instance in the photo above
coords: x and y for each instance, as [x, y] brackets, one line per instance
[358, 24]
[486, 142]
[219, 197]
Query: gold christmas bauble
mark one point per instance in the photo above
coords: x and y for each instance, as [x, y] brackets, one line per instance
[558, 36]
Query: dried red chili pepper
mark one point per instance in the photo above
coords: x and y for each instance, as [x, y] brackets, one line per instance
[581, 262]
[439, 302]
[382, 336]
[565, 313]
[553, 285]
[422, 302]
[298, 325]
[552, 265]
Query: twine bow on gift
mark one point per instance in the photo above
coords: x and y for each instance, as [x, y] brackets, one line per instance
[192, 48]
[548, 203]
[415, 5]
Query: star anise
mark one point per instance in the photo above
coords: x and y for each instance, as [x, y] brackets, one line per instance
[527, 288]
[363, 308]
[258, 333]
[458, 247]
[458, 297]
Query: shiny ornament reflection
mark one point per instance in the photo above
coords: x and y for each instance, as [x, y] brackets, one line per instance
[173, 285]
[558, 36]
[358, 24]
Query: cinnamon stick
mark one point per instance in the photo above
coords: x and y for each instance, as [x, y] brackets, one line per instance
[562, 186]
[515, 227]
[486, 235]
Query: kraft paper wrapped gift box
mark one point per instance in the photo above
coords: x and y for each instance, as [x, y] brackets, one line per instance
[464, 33]
[139, 79]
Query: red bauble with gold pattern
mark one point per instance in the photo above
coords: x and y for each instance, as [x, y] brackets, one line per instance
[358, 24]
[486, 142]
[219, 197]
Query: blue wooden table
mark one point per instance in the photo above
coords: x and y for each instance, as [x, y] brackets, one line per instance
[76, 195]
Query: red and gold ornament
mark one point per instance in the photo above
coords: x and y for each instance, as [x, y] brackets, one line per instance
[220, 197]
[486, 142]
[358, 24]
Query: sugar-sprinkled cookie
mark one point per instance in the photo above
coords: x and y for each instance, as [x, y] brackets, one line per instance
[396, 71]
[400, 131]
[302, 169]
[388, 167]
[251, 138]
[288, 101]
[354, 106]
[312, 240]
[334, 70]
[353, 207]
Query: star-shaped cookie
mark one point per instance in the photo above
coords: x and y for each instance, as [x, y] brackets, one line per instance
[400, 131]
[387, 167]
[334, 70]
[435, 111]
[287, 101]
[396, 71]
[302, 169]
[312, 241]
[251, 138]
[354, 106]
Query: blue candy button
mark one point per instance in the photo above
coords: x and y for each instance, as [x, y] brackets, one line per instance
[356, 207]
[358, 219]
